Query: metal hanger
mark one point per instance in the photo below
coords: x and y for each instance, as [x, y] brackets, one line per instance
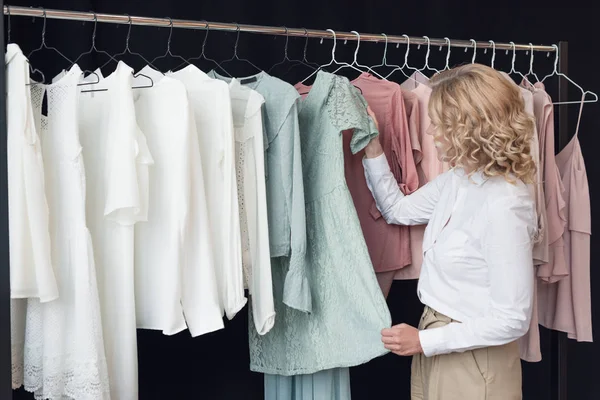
[514, 57]
[531, 64]
[333, 60]
[405, 65]
[235, 53]
[584, 93]
[426, 66]
[384, 59]
[43, 45]
[128, 51]
[474, 43]
[303, 61]
[447, 66]
[355, 65]
[285, 52]
[94, 48]
[203, 54]
[168, 52]
[32, 71]
[493, 52]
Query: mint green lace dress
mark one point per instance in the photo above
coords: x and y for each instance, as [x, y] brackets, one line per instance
[348, 308]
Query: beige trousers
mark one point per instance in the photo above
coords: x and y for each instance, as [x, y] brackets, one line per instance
[491, 373]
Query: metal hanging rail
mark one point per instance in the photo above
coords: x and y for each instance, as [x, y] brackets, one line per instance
[268, 30]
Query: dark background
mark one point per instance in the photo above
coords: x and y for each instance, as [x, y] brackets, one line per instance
[215, 366]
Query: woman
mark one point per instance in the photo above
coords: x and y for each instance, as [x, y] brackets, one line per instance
[477, 276]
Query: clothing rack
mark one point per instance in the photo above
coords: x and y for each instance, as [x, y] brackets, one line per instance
[558, 356]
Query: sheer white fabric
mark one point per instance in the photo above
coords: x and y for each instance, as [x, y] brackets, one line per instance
[117, 162]
[211, 104]
[174, 265]
[252, 198]
[31, 273]
[64, 349]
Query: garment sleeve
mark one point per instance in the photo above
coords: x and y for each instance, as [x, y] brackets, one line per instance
[129, 158]
[394, 206]
[230, 273]
[507, 249]
[255, 199]
[403, 163]
[348, 110]
[200, 294]
[296, 290]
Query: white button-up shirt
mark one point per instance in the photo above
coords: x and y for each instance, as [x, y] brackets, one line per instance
[477, 253]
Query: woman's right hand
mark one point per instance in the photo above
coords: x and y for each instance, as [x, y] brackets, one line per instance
[374, 148]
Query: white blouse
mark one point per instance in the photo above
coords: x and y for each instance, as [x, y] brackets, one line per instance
[117, 161]
[252, 195]
[211, 104]
[31, 272]
[477, 253]
[174, 264]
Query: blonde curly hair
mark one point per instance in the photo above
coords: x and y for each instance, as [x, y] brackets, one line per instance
[479, 123]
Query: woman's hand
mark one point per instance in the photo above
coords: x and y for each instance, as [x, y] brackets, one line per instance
[374, 148]
[402, 340]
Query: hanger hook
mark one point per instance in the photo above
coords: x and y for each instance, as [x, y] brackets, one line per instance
[170, 35]
[407, 48]
[287, 38]
[531, 59]
[493, 51]
[237, 39]
[305, 43]
[8, 23]
[357, 45]
[448, 54]
[205, 37]
[428, 51]
[334, 44]
[474, 50]
[555, 59]
[514, 56]
[94, 31]
[44, 27]
[130, 22]
[385, 49]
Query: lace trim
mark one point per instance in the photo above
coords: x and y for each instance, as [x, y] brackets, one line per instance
[240, 167]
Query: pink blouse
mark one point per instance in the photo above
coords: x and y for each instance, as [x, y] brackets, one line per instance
[389, 245]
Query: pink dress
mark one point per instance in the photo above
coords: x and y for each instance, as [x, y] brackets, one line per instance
[566, 305]
[389, 245]
[428, 168]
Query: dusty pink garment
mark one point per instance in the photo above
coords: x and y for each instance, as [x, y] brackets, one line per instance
[566, 305]
[428, 168]
[389, 245]
[555, 269]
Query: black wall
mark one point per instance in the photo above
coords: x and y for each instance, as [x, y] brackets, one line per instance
[215, 366]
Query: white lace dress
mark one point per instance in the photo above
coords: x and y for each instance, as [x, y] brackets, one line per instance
[64, 350]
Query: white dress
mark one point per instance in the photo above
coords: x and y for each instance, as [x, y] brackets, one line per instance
[211, 104]
[175, 279]
[64, 350]
[117, 162]
[31, 271]
[252, 197]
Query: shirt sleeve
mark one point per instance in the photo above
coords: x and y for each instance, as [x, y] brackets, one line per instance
[394, 206]
[507, 249]
[296, 290]
[128, 155]
[255, 199]
[200, 295]
[348, 110]
[403, 162]
[230, 273]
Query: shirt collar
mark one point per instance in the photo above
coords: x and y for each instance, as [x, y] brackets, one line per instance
[478, 177]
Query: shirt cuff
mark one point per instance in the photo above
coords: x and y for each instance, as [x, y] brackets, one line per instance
[376, 166]
[432, 341]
